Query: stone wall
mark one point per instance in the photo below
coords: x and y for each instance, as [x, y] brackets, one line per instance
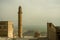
[51, 31]
[10, 29]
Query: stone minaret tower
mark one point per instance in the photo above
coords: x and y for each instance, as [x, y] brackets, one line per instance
[20, 22]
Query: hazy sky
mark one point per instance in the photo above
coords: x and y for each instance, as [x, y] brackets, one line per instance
[35, 12]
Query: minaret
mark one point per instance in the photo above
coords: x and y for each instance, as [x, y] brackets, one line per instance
[20, 22]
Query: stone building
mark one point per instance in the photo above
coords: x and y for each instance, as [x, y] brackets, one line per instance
[58, 32]
[51, 31]
[6, 29]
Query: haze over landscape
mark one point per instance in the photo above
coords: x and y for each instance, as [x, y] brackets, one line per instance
[36, 13]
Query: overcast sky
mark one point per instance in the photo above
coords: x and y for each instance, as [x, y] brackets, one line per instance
[35, 12]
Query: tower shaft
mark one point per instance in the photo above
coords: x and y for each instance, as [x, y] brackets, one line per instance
[20, 22]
